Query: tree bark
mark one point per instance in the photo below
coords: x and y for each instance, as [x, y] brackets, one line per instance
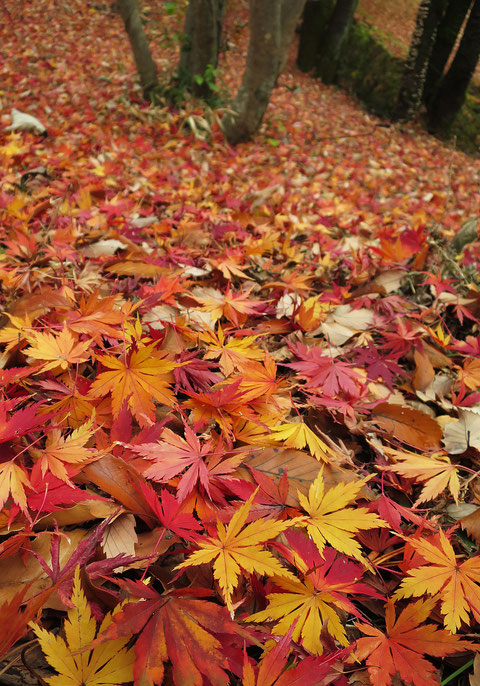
[450, 95]
[272, 23]
[447, 34]
[314, 21]
[430, 13]
[200, 46]
[334, 39]
[146, 68]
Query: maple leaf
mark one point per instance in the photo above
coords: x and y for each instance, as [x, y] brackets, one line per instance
[331, 520]
[458, 583]
[237, 548]
[96, 316]
[298, 435]
[61, 450]
[173, 454]
[220, 404]
[236, 307]
[110, 664]
[175, 626]
[260, 381]
[167, 509]
[311, 670]
[62, 349]
[435, 469]
[325, 372]
[13, 481]
[315, 600]
[232, 354]
[400, 649]
[136, 377]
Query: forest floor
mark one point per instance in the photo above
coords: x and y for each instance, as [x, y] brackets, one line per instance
[184, 321]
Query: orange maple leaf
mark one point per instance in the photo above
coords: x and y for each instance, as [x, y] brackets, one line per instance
[135, 378]
[401, 648]
[232, 354]
[59, 351]
[458, 583]
[65, 450]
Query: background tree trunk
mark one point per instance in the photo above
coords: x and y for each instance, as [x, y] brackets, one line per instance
[334, 39]
[146, 68]
[450, 95]
[447, 35]
[430, 13]
[271, 27]
[314, 21]
[201, 45]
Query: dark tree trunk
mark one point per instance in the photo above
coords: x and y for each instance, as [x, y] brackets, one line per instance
[146, 68]
[272, 23]
[334, 39]
[314, 20]
[450, 95]
[409, 98]
[201, 45]
[447, 34]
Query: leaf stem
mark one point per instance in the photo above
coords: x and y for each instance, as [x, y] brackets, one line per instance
[459, 671]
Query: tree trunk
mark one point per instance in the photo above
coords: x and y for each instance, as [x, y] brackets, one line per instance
[314, 20]
[451, 93]
[334, 39]
[272, 23]
[146, 68]
[430, 13]
[200, 46]
[447, 34]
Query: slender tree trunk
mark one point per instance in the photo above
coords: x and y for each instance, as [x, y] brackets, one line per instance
[146, 68]
[314, 19]
[451, 93]
[409, 98]
[201, 45]
[272, 23]
[447, 35]
[334, 39]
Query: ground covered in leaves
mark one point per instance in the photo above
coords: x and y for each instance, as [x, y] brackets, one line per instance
[239, 415]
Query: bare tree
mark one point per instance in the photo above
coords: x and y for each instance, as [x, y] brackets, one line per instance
[272, 23]
[146, 68]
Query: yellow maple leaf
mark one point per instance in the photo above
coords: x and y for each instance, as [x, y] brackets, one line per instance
[18, 331]
[435, 471]
[330, 520]
[236, 548]
[106, 664]
[137, 377]
[60, 450]
[13, 480]
[232, 354]
[61, 349]
[298, 435]
[458, 583]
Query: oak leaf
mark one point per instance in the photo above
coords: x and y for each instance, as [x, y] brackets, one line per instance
[458, 583]
[237, 547]
[401, 648]
[330, 520]
[75, 663]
